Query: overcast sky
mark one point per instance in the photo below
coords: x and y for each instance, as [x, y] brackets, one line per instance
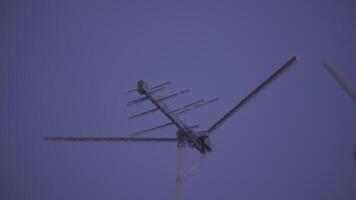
[65, 66]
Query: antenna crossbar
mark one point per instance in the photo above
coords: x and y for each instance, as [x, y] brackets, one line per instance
[108, 139]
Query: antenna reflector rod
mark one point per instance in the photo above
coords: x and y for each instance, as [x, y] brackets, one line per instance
[160, 85]
[197, 106]
[131, 91]
[174, 95]
[154, 109]
[143, 113]
[142, 99]
[151, 129]
[187, 106]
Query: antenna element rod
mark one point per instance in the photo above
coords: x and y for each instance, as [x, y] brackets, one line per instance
[252, 94]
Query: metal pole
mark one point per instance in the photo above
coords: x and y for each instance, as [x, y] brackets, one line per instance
[180, 170]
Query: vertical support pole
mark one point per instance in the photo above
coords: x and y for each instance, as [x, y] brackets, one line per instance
[180, 170]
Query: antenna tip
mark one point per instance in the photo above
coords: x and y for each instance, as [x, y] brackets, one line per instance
[296, 58]
[326, 64]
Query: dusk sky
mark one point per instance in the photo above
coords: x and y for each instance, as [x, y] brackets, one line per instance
[65, 67]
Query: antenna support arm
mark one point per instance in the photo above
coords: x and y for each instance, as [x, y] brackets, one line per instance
[251, 95]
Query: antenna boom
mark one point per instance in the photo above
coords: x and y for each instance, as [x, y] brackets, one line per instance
[251, 95]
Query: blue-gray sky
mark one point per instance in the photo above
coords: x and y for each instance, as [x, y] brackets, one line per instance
[65, 67]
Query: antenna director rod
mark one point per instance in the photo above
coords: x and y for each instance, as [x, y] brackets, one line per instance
[251, 94]
[171, 116]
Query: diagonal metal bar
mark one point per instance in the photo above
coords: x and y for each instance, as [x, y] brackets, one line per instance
[152, 129]
[342, 82]
[143, 113]
[187, 106]
[197, 106]
[252, 94]
[160, 85]
[173, 95]
[108, 139]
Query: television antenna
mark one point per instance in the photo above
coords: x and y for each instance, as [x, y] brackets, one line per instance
[185, 135]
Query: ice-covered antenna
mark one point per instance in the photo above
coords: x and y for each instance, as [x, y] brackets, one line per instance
[186, 134]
